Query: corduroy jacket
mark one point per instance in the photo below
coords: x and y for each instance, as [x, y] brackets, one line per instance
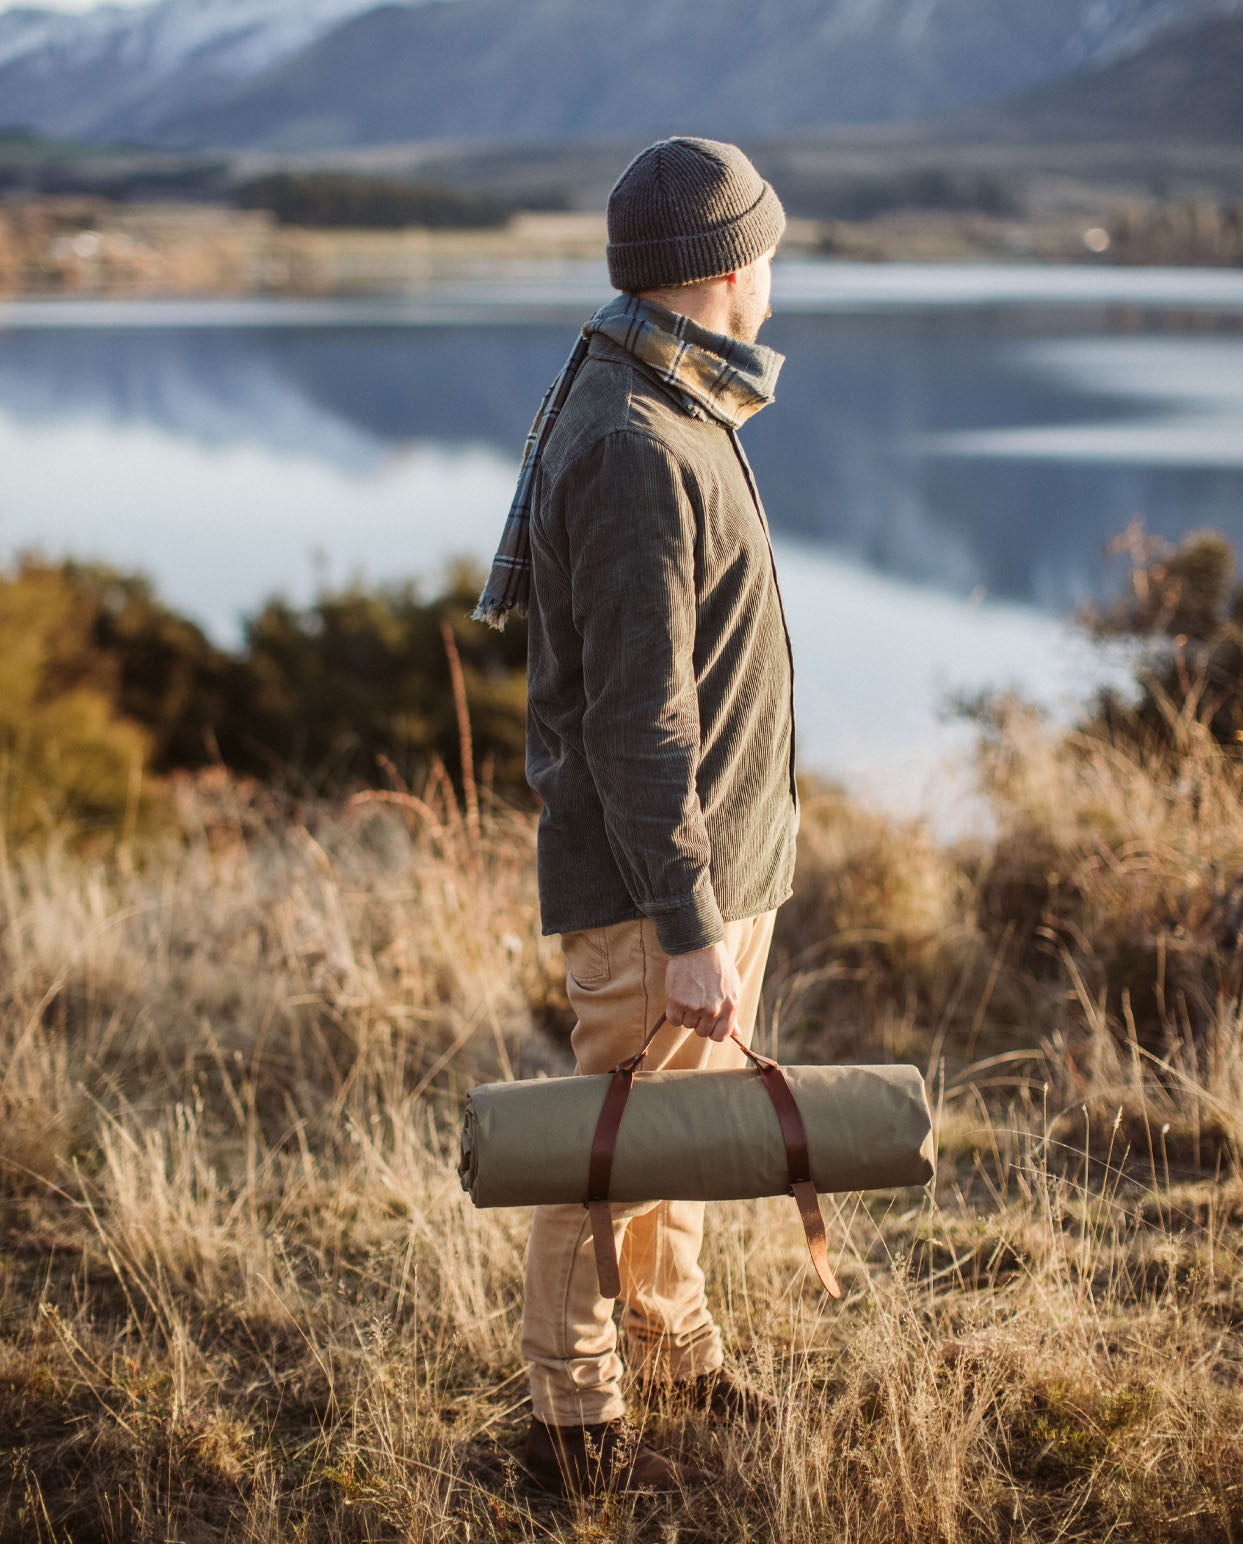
[660, 719]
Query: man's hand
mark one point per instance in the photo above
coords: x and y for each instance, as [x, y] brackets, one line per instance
[702, 991]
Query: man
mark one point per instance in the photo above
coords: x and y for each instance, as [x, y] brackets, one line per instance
[661, 743]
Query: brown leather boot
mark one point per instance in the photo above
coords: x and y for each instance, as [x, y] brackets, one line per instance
[585, 1460]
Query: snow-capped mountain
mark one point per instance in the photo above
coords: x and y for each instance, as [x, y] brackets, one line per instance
[321, 74]
[116, 70]
[567, 69]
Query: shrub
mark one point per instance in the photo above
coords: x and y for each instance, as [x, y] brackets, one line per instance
[104, 690]
[68, 751]
[361, 677]
[1185, 610]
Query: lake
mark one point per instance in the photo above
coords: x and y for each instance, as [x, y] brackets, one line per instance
[950, 449]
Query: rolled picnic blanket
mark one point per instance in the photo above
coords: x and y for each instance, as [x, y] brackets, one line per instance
[701, 1138]
[695, 1135]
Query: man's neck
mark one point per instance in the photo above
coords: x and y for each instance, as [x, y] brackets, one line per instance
[705, 303]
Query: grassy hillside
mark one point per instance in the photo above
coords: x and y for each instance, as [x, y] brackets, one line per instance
[242, 1296]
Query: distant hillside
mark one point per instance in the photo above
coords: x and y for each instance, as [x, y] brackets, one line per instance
[1185, 85]
[185, 74]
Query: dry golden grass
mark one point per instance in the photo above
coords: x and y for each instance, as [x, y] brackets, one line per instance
[242, 1296]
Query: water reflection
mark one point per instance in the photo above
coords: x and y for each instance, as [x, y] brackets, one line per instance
[870, 448]
[964, 451]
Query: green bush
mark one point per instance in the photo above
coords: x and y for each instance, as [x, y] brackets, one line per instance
[360, 675]
[104, 690]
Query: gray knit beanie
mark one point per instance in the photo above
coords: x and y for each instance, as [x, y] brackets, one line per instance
[687, 209]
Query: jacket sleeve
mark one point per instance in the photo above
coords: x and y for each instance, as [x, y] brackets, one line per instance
[631, 529]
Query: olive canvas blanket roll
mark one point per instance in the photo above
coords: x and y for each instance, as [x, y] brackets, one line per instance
[695, 1135]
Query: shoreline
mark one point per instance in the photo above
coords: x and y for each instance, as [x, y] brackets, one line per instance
[504, 288]
[86, 245]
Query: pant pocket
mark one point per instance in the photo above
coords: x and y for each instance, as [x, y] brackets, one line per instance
[587, 957]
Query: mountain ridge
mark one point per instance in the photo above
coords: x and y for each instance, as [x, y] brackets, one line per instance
[289, 75]
[557, 69]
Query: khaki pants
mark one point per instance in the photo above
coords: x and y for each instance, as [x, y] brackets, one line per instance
[616, 982]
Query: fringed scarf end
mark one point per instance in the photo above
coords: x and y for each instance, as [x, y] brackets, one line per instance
[495, 611]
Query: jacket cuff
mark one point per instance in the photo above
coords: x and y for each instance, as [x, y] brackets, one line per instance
[694, 924]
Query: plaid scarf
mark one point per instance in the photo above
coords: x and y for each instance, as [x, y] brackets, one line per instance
[716, 376]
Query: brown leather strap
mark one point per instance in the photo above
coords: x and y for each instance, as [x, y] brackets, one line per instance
[813, 1228]
[608, 1273]
[798, 1165]
[600, 1168]
[793, 1136]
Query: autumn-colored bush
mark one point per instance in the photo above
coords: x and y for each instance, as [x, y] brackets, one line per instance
[69, 753]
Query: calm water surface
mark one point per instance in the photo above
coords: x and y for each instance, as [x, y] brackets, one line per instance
[948, 452]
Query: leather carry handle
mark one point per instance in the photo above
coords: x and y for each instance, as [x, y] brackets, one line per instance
[798, 1164]
[793, 1137]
